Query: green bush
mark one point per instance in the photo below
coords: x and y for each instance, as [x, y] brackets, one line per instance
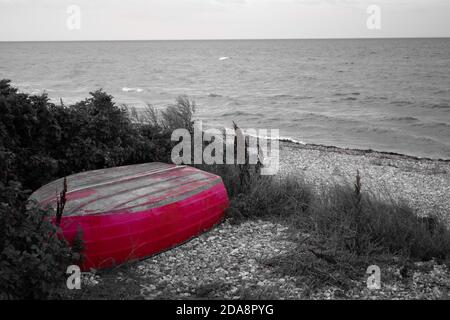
[48, 141]
[33, 259]
[94, 133]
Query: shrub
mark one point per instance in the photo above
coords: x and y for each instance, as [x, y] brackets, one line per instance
[95, 133]
[27, 130]
[33, 258]
[48, 141]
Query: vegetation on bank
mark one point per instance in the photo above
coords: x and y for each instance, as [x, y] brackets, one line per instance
[338, 228]
[41, 141]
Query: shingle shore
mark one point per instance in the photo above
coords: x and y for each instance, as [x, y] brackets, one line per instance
[227, 262]
[423, 183]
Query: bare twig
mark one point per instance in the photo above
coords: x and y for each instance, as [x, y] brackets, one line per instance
[61, 203]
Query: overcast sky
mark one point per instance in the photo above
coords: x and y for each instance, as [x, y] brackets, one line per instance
[22, 20]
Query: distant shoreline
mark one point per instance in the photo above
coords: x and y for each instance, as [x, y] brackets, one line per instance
[357, 151]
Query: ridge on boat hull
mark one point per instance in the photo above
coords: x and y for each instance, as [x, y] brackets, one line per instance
[132, 212]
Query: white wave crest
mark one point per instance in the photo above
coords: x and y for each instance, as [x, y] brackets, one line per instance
[126, 89]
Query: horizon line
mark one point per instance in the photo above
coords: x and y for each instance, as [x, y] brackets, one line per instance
[230, 39]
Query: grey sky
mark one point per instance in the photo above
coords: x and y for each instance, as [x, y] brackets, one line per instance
[220, 19]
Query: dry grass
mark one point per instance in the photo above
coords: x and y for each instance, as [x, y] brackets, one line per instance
[344, 230]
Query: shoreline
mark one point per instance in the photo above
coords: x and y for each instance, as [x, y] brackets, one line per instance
[344, 150]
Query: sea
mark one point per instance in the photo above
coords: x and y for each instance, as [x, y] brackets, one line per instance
[383, 94]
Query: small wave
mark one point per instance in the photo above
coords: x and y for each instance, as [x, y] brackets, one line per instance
[281, 96]
[289, 139]
[35, 91]
[401, 103]
[429, 140]
[289, 96]
[441, 91]
[327, 120]
[439, 106]
[303, 97]
[372, 98]
[375, 130]
[279, 138]
[242, 113]
[126, 89]
[25, 84]
[341, 94]
[402, 118]
[317, 116]
[433, 125]
[223, 58]
[214, 95]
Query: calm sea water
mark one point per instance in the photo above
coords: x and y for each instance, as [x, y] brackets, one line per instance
[388, 95]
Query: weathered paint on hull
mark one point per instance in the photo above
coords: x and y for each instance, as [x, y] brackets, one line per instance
[133, 212]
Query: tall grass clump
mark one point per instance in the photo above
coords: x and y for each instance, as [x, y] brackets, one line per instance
[238, 178]
[346, 228]
[156, 127]
[365, 224]
[175, 116]
[256, 196]
[271, 197]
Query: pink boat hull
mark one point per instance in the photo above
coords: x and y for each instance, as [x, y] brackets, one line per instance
[133, 212]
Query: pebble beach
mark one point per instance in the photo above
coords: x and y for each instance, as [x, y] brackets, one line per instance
[227, 262]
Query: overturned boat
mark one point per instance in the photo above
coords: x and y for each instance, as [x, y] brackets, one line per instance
[132, 212]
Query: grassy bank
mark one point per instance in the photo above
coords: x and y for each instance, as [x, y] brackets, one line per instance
[339, 227]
